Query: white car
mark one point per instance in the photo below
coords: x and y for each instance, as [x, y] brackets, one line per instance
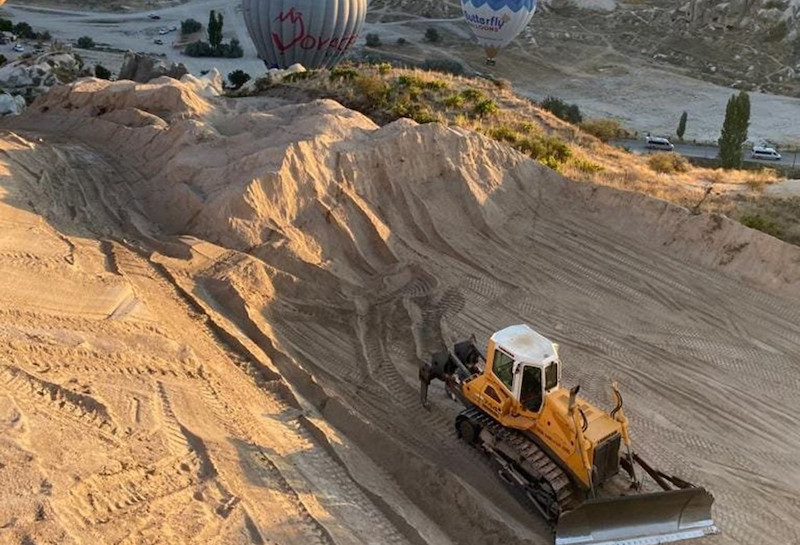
[173, 28]
[765, 154]
[163, 30]
[656, 142]
[18, 48]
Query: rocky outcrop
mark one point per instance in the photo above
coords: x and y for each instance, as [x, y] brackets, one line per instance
[34, 76]
[165, 98]
[743, 14]
[142, 68]
[207, 85]
[11, 105]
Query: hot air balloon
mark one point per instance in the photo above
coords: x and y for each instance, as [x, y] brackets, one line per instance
[314, 33]
[496, 22]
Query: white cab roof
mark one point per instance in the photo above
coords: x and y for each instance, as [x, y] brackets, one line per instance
[525, 344]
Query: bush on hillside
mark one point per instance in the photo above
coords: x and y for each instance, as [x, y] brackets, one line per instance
[568, 112]
[443, 65]
[238, 78]
[102, 72]
[604, 129]
[668, 163]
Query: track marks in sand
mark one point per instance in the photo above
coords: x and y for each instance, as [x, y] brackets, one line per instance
[101, 497]
[58, 402]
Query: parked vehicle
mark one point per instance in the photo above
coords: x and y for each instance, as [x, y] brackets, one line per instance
[163, 30]
[18, 48]
[173, 28]
[154, 16]
[658, 143]
[765, 154]
[158, 42]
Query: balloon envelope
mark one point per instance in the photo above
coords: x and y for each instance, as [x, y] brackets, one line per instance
[315, 33]
[496, 22]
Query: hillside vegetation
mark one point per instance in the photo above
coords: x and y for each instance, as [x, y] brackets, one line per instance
[386, 94]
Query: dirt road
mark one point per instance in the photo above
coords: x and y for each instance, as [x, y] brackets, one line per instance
[255, 380]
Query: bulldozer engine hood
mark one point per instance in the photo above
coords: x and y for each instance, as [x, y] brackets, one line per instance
[600, 424]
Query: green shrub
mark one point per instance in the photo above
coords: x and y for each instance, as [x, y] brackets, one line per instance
[414, 82]
[473, 95]
[407, 80]
[454, 101]
[568, 112]
[299, 76]
[384, 68]
[341, 73]
[443, 65]
[756, 221]
[232, 50]
[24, 30]
[401, 41]
[190, 26]
[604, 129]
[373, 89]
[668, 163]
[238, 78]
[432, 36]
[585, 165]
[485, 107]
[424, 115]
[373, 40]
[436, 85]
[504, 133]
[102, 72]
[85, 42]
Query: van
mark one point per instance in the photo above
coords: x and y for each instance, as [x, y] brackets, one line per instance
[655, 142]
[765, 154]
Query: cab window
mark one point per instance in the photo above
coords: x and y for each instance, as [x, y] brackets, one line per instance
[530, 394]
[551, 376]
[503, 368]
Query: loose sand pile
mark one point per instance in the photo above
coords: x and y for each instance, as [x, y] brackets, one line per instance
[212, 313]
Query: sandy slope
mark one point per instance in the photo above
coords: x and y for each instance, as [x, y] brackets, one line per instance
[212, 316]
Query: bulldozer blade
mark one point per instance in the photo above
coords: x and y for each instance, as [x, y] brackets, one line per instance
[641, 519]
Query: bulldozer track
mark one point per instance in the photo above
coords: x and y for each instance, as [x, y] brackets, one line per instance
[531, 459]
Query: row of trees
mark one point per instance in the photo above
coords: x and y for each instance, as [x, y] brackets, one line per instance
[214, 47]
[23, 30]
[734, 130]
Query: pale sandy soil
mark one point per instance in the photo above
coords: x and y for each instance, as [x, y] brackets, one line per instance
[212, 314]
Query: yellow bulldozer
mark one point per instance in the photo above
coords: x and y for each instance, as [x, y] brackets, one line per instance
[562, 453]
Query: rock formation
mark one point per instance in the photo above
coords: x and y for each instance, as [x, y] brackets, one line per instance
[142, 68]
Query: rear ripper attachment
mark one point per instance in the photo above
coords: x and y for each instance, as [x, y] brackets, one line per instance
[563, 453]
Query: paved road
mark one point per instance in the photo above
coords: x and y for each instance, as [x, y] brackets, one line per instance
[789, 159]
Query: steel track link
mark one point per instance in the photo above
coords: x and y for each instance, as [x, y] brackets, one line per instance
[525, 456]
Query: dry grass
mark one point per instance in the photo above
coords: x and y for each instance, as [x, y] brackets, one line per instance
[492, 108]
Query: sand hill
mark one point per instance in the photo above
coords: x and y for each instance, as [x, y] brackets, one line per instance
[212, 313]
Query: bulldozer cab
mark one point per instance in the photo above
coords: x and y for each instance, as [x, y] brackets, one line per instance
[526, 363]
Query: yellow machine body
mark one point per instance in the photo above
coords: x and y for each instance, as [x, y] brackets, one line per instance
[561, 451]
[552, 424]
